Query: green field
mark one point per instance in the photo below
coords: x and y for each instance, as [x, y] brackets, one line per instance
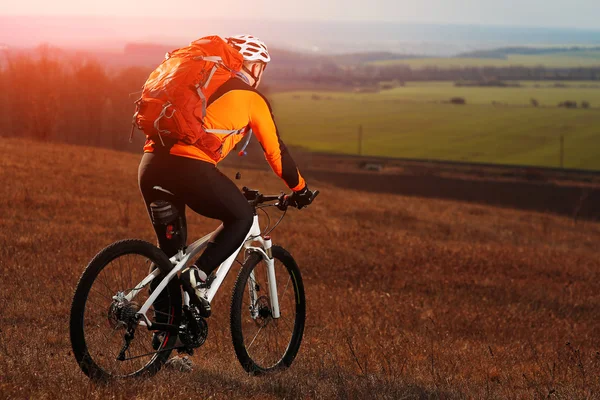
[544, 92]
[412, 122]
[589, 58]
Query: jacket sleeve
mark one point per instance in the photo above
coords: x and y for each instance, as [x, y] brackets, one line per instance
[276, 153]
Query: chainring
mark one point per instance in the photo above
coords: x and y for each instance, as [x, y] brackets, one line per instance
[193, 332]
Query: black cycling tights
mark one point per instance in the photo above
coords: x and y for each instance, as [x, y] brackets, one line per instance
[203, 188]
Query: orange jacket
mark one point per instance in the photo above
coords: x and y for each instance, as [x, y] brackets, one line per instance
[236, 105]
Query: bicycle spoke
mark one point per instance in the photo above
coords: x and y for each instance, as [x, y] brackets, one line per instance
[100, 307]
[111, 292]
[273, 334]
[107, 340]
[282, 318]
[286, 286]
[118, 275]
[252, 342]
[131, 276]
[140, 344]
[103, 295]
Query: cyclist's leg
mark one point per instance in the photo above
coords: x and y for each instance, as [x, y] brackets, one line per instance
[214, 195]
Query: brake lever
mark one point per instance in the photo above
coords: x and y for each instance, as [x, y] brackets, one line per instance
[283, 202]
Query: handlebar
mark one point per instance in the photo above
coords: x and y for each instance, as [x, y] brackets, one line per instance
[255, 198]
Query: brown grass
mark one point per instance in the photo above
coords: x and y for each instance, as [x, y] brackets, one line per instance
[407, 297]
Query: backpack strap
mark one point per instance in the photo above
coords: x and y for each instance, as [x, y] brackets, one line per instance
[133, 120]
[203, 101]
[218, 61]
[226, 131]
[163, 113]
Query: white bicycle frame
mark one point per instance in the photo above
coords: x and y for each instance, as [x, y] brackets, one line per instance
[183, 257]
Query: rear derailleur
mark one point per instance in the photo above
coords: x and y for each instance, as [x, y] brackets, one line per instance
[123, 314]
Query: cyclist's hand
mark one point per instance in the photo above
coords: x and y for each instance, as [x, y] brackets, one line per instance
[301, 198]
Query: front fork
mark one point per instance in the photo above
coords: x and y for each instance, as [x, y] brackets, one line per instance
[272, 281]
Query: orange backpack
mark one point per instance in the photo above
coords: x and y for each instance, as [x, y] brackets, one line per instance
[173, 102]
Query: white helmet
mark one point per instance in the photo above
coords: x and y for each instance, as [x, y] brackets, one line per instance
[251, 47]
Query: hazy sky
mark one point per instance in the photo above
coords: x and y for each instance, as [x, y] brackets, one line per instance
[552, 13]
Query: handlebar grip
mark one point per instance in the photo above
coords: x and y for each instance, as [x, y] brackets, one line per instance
[288, 201]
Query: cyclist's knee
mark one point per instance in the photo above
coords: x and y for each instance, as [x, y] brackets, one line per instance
[240, 225]
[247, 217]
[240, 213]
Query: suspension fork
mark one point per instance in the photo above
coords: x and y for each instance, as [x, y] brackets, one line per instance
[271, 276]
[267, 256]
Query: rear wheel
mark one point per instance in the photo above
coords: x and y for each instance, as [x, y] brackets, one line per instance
[263, 343]
[101, 316]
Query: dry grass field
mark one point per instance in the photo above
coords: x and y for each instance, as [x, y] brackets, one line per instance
[407, 297]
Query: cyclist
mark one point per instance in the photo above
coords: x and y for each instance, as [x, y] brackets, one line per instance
[179, 174]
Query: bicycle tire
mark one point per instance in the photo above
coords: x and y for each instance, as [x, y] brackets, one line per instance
[239, 317]
[171, 302]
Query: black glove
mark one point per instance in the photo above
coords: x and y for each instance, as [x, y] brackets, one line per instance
[301, 198]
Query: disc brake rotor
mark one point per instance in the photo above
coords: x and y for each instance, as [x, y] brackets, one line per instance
[263, 307]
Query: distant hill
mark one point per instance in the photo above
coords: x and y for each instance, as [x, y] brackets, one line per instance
[569, 56]
[363, 58]
[505, 52]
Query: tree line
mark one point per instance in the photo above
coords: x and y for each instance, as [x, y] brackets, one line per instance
[369, 74]
[71, 100]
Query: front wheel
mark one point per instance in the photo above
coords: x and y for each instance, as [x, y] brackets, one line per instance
[263, 343]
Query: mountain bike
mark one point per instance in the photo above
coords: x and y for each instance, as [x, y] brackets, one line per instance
[129, 311]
